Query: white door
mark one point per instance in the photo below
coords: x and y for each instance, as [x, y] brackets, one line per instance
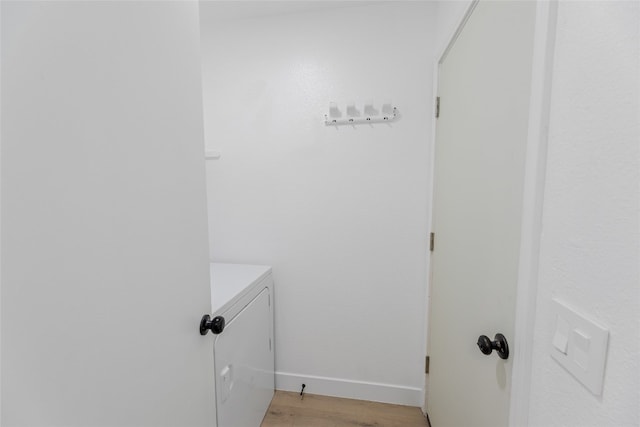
[484, 89]
[105, 271]
[244, 365]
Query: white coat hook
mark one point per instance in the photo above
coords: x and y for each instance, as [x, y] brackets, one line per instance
[368, 114]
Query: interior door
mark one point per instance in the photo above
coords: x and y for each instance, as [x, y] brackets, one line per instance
[484, 89]
[105, 271]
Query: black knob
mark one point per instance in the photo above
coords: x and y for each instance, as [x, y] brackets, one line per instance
[499, 344]
[216, 324]
[484, 343]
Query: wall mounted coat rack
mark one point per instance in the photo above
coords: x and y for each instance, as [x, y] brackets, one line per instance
[352, 116]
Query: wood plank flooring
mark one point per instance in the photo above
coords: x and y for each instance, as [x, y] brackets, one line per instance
[288, 410]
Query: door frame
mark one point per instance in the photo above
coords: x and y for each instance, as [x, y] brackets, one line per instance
[533, 197]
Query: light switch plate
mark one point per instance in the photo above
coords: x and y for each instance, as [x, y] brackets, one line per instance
[580, 346]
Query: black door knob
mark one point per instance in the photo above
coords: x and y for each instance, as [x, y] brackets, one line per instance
[499, 344]
[216, 325]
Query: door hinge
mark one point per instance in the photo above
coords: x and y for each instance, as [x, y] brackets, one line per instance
[432, 241]
[269, 344]
[437, 107]
[426, 365]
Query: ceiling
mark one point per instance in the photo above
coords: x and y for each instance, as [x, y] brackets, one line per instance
[224, 11]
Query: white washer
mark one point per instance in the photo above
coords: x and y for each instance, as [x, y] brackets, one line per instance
[243, 352]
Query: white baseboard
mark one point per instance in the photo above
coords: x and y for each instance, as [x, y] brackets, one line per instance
[339, 387]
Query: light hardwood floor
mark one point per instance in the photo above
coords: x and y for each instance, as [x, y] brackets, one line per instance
[288, 410]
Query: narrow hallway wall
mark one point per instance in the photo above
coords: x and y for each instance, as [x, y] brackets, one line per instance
[589, 251]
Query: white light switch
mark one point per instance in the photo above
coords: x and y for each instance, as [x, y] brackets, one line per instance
[561, 335]
[580, 346]
[211, 154]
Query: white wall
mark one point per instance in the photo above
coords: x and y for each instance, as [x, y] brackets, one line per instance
[105, 270]
[340, 214]
[589, 251]
[0, 231]
[448, 16]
